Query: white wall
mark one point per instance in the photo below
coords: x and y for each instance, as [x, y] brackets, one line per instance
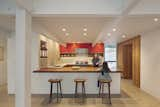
[35, 51]
[12, 59]
[11, 62]
[3, 63]
[150, 63]
[53, 52]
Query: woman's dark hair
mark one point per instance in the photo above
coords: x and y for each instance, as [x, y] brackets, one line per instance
[105, 66]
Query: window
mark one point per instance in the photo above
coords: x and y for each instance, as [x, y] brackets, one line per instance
[111, 55]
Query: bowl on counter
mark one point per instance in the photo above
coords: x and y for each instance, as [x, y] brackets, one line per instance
[76, 67]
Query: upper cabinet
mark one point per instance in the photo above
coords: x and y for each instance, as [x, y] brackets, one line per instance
[70, 49]
[98, 48]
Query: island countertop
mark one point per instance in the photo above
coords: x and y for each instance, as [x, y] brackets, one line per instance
[70, 69]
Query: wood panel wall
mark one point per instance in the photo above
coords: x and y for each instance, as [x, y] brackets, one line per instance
[136, 60]
[135, 42]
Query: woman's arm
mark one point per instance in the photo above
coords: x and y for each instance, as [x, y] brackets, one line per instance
[109, 70]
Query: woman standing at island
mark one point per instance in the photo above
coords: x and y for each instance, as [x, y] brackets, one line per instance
[95, 60]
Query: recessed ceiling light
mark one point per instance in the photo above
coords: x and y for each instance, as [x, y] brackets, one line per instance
[123, 36]
[155, 19]
[114, 29]
[109, 34]
[63, 29]
[84, 34]
[85, 29]
[67, 34]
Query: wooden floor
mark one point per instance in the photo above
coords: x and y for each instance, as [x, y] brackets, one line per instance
[131, 97]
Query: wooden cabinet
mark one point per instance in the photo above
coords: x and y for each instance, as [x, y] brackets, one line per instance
[129, 59]
[136, 60]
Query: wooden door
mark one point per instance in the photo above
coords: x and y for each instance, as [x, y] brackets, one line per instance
[127, 61]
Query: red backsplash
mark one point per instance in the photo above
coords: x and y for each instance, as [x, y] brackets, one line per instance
[70, 47]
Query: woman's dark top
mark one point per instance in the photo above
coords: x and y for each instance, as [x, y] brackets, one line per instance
[105, 71]
[105, 74]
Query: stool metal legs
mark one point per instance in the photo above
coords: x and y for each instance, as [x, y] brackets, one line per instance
[101, 90]
[83, 89]
[50, 99]
[58, 87]
[57, 91]
[75, 95]
[109, 91]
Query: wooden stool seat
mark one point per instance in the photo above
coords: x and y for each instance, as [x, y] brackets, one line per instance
[58, 82]
[104, 81]
[79, 80]
[54, 80]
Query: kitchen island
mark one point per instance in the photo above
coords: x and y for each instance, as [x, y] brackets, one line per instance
[68, 73]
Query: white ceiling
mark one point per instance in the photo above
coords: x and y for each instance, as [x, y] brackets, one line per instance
[130, 26]
[74, 26]
[99, 22]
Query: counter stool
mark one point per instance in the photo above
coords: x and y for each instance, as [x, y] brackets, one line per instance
[101, 88]
[58, 82]
[81, 81]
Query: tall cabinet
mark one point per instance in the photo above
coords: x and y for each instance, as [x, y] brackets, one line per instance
[129, 59]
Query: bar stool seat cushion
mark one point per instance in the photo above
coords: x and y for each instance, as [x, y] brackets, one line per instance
[104, 80]
[79, 80]
[54, 80]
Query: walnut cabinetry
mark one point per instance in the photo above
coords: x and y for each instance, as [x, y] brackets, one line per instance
[129, 59]
[136, 60]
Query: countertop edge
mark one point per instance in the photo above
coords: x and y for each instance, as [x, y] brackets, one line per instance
[72, 71]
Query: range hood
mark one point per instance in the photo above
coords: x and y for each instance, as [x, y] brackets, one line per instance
[81, 52]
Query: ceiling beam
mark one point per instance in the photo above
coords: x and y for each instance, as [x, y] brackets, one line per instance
[130, 7]
[26, 4]
[115, 22]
